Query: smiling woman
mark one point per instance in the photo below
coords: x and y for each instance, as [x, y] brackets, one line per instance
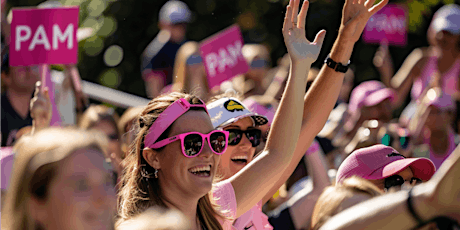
[57, 165]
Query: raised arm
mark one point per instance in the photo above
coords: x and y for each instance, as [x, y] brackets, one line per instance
[255, 180]
[440, 196]
[40, 109]
[321, 97]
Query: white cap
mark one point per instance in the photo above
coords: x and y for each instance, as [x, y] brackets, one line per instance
[447, 18]
[175, 12]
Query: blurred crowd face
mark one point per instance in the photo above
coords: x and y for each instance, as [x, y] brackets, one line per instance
[81, 196]
[447, 41]
[175, 170]
[23, 78]
[258, 69]
[437, 119]
[237, 156]
[381, 112]
[406, 174]
[111, 131]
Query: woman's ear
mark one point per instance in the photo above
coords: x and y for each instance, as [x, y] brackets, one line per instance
[152, 157]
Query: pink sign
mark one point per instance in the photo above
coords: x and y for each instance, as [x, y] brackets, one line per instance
[222, 56]
[44, 36]
[388, 25]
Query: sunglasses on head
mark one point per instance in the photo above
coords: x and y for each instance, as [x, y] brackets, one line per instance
[398, 181]
[194, 59]
[193, 142]
[253, 135]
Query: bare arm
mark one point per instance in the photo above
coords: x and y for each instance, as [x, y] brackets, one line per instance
[268, 167]
[320, 99]
[403, 79]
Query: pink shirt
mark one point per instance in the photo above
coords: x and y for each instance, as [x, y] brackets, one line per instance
[254, 219]
[450, 78]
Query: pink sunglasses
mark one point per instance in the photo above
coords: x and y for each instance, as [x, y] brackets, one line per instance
[193, 142]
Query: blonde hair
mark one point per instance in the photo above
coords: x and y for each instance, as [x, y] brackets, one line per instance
[130, 116]
[330, 201]
[140, 190]
[37, 159]
[156, 219]
[97, 113]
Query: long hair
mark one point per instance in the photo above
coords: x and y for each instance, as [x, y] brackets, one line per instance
[37, 159]
[140, 190]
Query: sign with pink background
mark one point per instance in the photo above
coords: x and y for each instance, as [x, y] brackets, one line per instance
[222, 56]
[44, 36]
[387, 25]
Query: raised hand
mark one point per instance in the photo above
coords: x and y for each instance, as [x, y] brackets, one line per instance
[40, 108]
[299, 48]
[355, 15]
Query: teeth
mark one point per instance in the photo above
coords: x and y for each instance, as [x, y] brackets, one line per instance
[200, 169]
[240, 157]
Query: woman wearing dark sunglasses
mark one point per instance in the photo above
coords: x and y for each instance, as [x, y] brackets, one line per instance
[385, 168]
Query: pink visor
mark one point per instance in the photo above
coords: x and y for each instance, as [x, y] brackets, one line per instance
[167, 117]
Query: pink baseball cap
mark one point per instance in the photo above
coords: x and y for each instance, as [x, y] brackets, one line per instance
[380, 161]
[369, 93]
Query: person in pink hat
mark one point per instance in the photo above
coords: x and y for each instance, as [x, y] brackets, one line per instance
[436, 140]
[371, 100]
[385, 167]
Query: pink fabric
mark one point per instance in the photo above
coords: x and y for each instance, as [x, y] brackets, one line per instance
[6, 166]
[450, 78]
[438, 159]
[253, 219]
[224, 196]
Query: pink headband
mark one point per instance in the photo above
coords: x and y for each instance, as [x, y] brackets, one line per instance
[167, 117]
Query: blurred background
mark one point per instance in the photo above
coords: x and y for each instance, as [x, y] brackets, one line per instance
[123, 29]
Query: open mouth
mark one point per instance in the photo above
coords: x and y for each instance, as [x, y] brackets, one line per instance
[203, 171]
[243, 160]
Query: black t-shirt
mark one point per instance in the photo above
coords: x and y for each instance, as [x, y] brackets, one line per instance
[12, 122]
[164, 60]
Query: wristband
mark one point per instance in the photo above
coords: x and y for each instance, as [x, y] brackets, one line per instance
[338, 67]
[412, 211]
[313, 148]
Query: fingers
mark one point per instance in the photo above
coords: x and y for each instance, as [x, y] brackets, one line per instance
[369, 3]
[295, 10]
[319, 39]
[378, 7]
[38, 85]
[287, 25]
[303, 14]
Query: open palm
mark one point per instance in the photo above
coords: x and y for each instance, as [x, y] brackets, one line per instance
[298, 46]
[355, 15]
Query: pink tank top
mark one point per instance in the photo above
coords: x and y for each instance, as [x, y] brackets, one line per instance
[450, 78]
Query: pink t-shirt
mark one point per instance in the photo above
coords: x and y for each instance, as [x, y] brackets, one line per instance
[450, 78]
[254, 219]
[224, 196]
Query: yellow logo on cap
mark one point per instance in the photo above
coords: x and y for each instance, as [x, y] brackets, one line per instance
[232, 105]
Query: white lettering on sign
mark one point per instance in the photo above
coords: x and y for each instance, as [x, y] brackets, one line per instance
[19, 38]
[226, 57]
[23, 34]
[391, 24]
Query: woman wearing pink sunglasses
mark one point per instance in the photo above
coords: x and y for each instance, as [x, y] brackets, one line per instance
[172, 166]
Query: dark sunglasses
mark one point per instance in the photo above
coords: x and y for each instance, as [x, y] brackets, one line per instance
[113, 137]
[388, 139]
[235, 136]
[397, 180]
[259, 63]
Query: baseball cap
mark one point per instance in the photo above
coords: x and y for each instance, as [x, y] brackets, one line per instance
[369, 93]
[447, 18]
[267, 111]
[380, 161]
[175, 12]
[229, 109]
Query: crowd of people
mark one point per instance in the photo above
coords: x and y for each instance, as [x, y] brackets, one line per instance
[289, 147]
